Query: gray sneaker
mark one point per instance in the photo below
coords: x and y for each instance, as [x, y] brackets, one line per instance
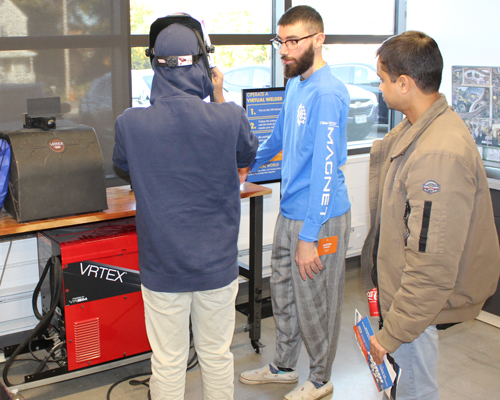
[268, 374]
[307, 391]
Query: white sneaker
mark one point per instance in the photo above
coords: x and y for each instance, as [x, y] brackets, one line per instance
[307, 391]
[268, 374]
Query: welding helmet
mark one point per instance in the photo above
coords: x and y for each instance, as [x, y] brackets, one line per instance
[205, 47]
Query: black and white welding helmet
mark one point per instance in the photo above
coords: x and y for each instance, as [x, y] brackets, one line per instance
[205, 47]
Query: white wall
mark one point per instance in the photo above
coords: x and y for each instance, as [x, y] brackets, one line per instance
[466, 32]
[356, 177]
[17, 286]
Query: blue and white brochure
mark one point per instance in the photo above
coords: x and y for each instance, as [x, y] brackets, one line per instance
[385, 375]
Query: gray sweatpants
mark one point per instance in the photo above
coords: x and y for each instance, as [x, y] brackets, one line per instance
[310, 310]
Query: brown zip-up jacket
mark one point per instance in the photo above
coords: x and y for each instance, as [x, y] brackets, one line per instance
[438, 256]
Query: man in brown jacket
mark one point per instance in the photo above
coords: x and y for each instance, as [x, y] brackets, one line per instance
[432, 249]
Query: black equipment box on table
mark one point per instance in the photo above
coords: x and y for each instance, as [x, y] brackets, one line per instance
[54, 173]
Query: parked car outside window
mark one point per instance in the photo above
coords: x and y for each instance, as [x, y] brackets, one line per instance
[363, 76]
[141, 87]
[254, 76]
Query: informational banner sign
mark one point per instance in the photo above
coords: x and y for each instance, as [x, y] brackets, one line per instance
[263, 107]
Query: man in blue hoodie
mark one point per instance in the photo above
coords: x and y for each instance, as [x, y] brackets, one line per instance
[312, 231]
[183, 156]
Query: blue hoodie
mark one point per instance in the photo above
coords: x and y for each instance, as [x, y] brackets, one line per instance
[182, 155]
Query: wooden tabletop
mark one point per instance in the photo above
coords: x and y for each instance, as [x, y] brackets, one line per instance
[121, 204]
[248, 189]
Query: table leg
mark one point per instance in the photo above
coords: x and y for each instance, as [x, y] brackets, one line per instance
[255, 272]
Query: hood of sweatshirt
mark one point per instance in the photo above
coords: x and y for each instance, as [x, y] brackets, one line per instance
[179, 40]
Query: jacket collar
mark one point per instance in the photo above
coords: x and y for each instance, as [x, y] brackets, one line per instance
[410, 133]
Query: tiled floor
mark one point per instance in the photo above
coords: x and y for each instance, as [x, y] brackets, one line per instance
[469, 366]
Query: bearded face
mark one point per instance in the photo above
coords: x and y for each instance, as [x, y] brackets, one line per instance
[300, 65]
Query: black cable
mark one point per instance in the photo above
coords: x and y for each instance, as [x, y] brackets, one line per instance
[108, 395]
[34, 298]
[192, 362]
[44, 322]
[135, 382]
[31, 352]
[35, 358]
[49, 354]
[205, 59]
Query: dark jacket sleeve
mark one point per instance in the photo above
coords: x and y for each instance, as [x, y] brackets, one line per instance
[119, 151]
[247, 144]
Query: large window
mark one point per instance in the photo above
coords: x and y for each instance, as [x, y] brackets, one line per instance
[83, 51]
[234, 25]
[73, 49]
[361, 17]
[241, 32]
[221, 17]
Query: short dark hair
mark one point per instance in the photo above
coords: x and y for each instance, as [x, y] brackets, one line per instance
[303, 14]
[415, 54]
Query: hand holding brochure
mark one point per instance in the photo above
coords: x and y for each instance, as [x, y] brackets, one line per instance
[385, 375]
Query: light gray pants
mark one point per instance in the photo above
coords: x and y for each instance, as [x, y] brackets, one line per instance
[418, 361]
[310, 310]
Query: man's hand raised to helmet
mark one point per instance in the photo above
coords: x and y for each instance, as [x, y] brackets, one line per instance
[218, 80]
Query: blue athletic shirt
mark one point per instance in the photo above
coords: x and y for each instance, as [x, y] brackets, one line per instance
[311, 131]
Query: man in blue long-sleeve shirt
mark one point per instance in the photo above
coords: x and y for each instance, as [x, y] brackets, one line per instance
[312, 231]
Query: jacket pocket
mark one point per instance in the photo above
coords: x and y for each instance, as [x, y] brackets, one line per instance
[406, 216]
[425, 223]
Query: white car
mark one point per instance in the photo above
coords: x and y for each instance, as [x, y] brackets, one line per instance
[142, 80]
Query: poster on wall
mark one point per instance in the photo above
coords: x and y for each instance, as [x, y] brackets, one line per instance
[263, 107]
[476, 99]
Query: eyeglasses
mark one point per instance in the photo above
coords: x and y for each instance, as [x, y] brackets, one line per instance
[292, 44]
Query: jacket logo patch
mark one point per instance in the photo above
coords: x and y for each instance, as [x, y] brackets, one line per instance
[301, 115]
[431, 187]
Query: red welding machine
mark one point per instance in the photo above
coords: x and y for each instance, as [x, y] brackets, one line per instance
[103, 313]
